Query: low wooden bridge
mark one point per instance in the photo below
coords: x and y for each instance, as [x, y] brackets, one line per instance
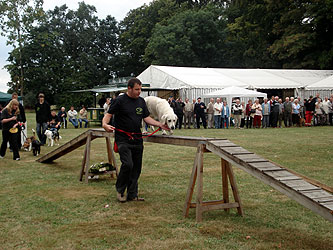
[301, 189]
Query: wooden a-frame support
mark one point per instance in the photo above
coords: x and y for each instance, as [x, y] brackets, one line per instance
[86, 158]
[202, 206]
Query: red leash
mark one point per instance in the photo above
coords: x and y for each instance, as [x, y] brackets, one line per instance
[130, 134]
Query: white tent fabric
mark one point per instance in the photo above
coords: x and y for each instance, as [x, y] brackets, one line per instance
[326, 83]
[167, 77]
[170, 77]
[233, 91]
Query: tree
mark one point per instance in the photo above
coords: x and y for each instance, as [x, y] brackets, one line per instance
[136, 30]
[16, 20]
[190, 38]
[69, 50]
[304, 34]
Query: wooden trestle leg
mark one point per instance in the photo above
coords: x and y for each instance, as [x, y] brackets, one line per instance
[202, 206]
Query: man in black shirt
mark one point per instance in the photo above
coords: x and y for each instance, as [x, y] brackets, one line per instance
[199, 111]
[129, 110]
[43, 114]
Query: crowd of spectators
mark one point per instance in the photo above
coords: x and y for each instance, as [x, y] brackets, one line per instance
[274, 112]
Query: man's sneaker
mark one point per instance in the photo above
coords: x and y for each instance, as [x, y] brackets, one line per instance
[17, 159]
[121, 197]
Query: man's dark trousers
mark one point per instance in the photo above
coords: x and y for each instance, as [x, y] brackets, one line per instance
[131, 164]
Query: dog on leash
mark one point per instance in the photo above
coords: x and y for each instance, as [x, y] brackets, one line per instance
[160, 110]
[33, 143]
[52, 137]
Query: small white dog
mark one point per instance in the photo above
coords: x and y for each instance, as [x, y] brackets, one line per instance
[160, 110]
[52, 137]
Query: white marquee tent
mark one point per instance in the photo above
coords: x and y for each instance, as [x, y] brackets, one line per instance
[193, 82]
[231, 92]
[326, 83]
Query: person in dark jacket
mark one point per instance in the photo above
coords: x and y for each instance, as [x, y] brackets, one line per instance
[199, 111]
[62, 116]
[310, 108]
[42, 109]
[10, 118]
[179, 111]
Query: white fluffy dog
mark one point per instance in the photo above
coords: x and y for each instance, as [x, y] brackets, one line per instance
[160, 110]
[52, 137]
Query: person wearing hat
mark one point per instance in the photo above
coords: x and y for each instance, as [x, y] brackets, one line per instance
[43, 115]
[199, 111]
[10, 118]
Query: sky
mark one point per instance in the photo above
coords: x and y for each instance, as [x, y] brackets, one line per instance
[115, 8]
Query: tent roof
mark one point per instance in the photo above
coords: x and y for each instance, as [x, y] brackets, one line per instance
[326, 83]
[4, 97]
[235, 92]
[170, 77]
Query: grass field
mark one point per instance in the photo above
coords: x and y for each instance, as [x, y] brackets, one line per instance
[44, 206]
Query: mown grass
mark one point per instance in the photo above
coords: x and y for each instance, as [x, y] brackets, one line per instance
[45, 206]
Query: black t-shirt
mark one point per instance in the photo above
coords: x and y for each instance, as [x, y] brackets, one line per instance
[129, 113]
[5, 115]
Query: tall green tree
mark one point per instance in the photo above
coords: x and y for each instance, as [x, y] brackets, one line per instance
[304, 33]
[190, 38]
[136, 30]
[16, 20]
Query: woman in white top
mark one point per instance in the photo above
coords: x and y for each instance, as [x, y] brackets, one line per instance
[257, 115]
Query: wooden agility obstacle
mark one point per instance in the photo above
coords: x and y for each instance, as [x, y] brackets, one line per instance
[83, 139]
[278, 177]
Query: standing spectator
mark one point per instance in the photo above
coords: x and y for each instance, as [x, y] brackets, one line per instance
[62, 115]
[188, 113]
[238, 110]
[275, 110]
[179, 111]
[10, 118]
[266, 110]
[23, 120]
[319, 114]
[257, 115]
[217, 113]
[248, 113]
[199, 110]
[107, 105]
[210, 113]
[296, 112]
[301, 109]
[194, 115]
[271, 102]
[310, 108]
[326, 107]
[83, 116]
[280, 117]
[287, 110]
[43, 114]
[243, 115]
[330, 111]
[225, 115]
[72, 117]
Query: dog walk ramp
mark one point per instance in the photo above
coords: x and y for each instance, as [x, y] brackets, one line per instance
[295, 187]
[73, 144]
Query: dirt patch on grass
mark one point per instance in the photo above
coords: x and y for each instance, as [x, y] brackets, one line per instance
[71, 193]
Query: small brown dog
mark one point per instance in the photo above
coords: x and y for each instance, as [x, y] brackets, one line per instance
[28, 143]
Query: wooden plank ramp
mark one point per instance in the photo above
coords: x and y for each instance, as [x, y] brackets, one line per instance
[295, 187]
[73, 144]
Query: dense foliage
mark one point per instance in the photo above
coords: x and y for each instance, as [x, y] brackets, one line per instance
[69, 50]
